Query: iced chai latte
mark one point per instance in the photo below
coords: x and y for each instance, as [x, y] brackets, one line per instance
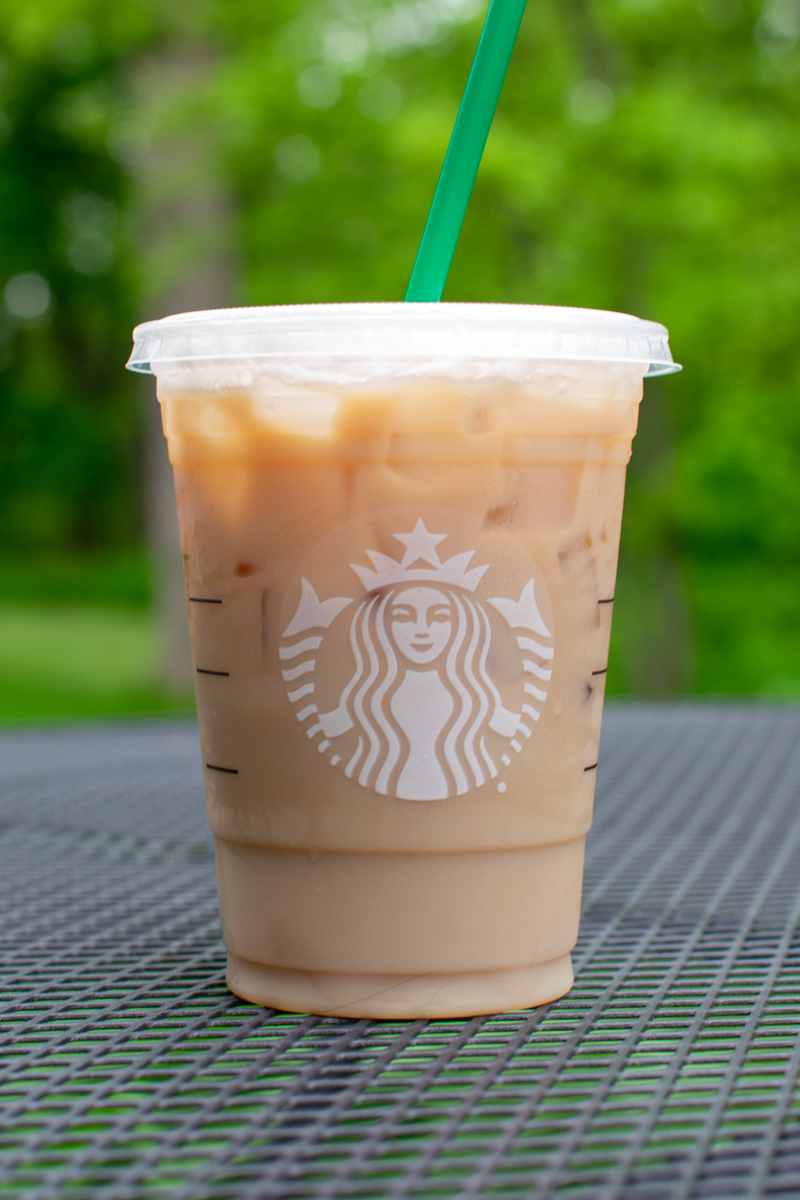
[400, 528]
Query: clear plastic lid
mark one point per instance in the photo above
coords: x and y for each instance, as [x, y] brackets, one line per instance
[364, 341]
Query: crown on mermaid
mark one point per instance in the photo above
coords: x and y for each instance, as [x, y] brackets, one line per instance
[420, 545]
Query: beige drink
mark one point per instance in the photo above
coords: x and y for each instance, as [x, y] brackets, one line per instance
[400, 581]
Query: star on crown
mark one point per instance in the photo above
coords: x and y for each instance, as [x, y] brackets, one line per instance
[420, 547]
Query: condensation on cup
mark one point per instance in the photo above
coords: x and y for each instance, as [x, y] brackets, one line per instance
[400, 526]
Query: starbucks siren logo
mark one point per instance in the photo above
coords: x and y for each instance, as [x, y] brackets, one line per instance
[420, 716]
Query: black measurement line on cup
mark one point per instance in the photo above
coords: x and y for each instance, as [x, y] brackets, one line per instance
[203, 600]
[224, 770]
[609, 601]
[602, 672]
[591, 768]
[203, 671]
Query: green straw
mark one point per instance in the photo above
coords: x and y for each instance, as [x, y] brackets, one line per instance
[465, 151]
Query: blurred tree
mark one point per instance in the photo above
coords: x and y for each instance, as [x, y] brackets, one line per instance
[67, 459]
[644, 158]
[186, 251]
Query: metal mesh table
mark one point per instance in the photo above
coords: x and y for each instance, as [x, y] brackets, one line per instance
[671, 1070]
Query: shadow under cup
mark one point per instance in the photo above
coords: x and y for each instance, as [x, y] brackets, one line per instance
[400, 527]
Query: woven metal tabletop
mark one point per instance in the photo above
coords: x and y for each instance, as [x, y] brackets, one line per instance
[670, 1070]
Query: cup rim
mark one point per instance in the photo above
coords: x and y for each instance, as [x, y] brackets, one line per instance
[388, 331]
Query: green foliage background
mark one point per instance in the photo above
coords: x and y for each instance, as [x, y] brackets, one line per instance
[645, 157]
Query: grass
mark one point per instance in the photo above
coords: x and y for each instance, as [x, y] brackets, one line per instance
[109, 579]
[79, 660]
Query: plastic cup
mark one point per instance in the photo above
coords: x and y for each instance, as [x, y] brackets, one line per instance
[400, 527]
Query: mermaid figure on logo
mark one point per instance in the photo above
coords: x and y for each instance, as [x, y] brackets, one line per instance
[421, 699]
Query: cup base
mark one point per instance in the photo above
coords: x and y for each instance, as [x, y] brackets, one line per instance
[395, 997]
